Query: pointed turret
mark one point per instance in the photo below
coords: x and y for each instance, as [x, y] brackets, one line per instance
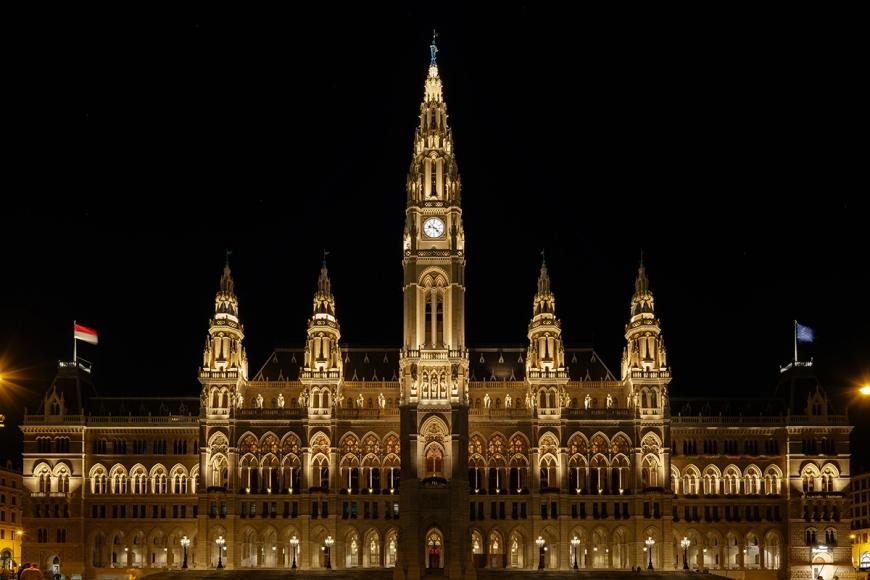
[645, 349]
[644, 360]
[546, 372]
[322, 368]
[223, 349]
[224, 369]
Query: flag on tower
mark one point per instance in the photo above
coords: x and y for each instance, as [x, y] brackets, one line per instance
[804, 333]
[84, 333]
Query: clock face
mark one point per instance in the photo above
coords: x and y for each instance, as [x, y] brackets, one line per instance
[433, 228]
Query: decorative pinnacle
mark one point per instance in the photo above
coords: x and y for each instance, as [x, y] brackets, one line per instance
[433, 49]
[641, 283]
[227, 278]
[544, 277]
[323, 284]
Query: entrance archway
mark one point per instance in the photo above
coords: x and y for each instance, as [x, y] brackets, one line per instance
[517, 550]
[495, 558]
[434, 549]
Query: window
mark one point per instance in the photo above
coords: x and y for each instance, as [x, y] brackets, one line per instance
[434, 462]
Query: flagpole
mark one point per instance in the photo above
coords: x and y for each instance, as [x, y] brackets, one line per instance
[75, 344]
[795, 342]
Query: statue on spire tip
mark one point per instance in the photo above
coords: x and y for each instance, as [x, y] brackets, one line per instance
[433, 49]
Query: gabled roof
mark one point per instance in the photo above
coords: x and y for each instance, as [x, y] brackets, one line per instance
[485, 363]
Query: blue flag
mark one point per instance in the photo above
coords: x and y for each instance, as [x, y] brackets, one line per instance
[804, 333]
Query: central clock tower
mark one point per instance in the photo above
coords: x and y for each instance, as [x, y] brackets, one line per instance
[433, 363]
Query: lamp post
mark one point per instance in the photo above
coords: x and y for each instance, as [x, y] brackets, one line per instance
[685, 544]
[185, 543]
[575, 542]
[18, 533]
[126, 556]
[649, 545]
[540, 543]
[328, 542]
[294, 543]
[220, 541]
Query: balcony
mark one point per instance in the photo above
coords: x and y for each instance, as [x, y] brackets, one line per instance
[599, 414]
[320, 375]
[185, 420]
[271, 413]
[343, 413]
[547, 374]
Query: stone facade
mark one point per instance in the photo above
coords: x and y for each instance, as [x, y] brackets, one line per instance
[434, 454]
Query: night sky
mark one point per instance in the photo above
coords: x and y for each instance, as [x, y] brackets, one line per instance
[726, 146]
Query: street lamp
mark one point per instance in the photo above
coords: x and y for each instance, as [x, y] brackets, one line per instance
[328, 542]
[685, 544]
[575, 542]
[294, 543]
[865, 390]
[220, 541]
[540, 542]
[649, 544]
[185, 543]
[18, 533]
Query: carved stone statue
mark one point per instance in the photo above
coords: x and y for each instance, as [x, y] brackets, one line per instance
[240, 400]
[487, 401]
[587, 401]
[280, 400]
[382, 401]
[360, 401]
[609, 401]
[442, 388]
[508, 402]
[258, 401]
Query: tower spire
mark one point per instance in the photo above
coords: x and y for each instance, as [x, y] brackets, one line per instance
[224, 358]
[645, 348]
[227, 278]
[641, 283]
[543, 278]
[323, 284]
[322, 359]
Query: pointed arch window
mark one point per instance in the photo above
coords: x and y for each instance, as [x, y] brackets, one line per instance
[434, 461]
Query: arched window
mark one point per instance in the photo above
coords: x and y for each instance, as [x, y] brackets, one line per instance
[434, 461]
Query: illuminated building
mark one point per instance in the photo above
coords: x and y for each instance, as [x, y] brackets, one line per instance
[434, 454]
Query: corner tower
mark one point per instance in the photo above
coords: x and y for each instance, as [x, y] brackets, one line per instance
[646, 373]
[433, 363]
[546, 372]
[224, 369]
[322, 373]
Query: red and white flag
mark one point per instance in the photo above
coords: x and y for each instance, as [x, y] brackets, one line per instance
[84, 333]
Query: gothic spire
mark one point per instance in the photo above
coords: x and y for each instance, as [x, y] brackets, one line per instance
[227, 285]
[544, 277]
[323, 283]
[433, 175]
[324, 302]
[641, 283]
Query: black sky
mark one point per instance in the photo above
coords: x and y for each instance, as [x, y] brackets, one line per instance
[726, 145]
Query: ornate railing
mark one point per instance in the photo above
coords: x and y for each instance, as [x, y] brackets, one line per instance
[54, 419]
[139, 419]
[571, 413]
[271, 413]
